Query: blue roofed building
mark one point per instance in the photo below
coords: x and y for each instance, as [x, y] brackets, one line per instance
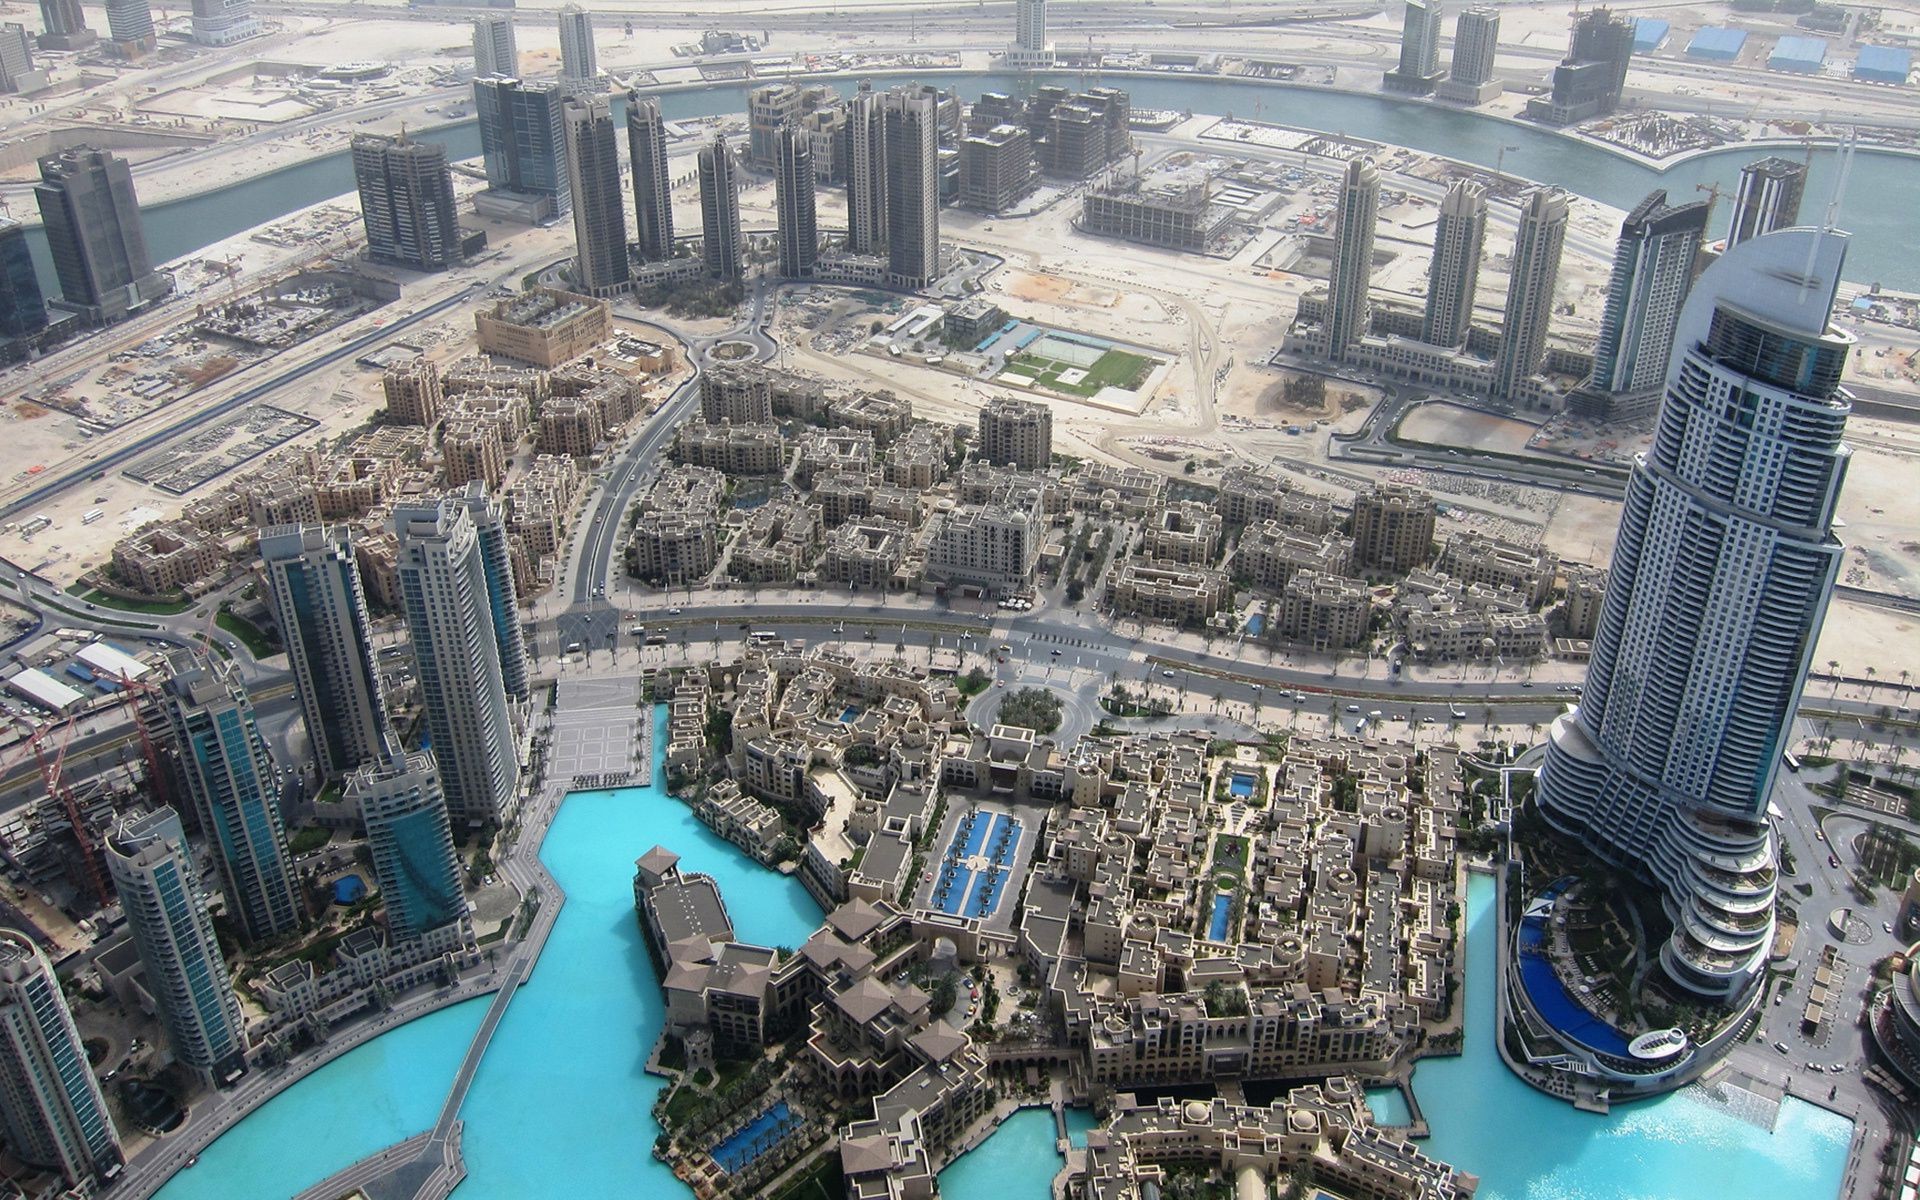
[1715, 43]
[1883, 64]
[1648, 33]
[1805, 55]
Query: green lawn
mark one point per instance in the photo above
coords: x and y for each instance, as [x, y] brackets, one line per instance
[159, 608]
[1115, 368]
[256, 639]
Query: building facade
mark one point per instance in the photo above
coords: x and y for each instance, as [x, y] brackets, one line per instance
[99, 248]
[50, 1103]
[1768, 198]
[599, 212]
[1348, 307]
[652, 184]
[1017, 433]
[720, 237]
[910, 124]
[410, 838]
[152, 870]
[1652, 272]
[23, 310]
[1459, 241]
[495, 52]
[793, 189]
[321, 609]
[406, 202]
[1476, 37]
[1720, 581]
[579, 59]
[1419, 68]
[1530, 284]
[224, 22]
[524, 143]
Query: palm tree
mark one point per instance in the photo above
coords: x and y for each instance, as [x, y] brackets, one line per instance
[1833, 669]
[1870, 674]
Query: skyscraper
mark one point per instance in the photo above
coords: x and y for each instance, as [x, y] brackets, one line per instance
[321, 608]
[17, 72]
[1459, 237]
[1721, 575]
[1348, 308]
[1652, 271]
[599, 210]
[523, 140]
[443, 585]
[1419, 68]
[866, 174]
[496, 560]
[50, 1106]
[406, 201]
[23, 311]
[911, 129]
[652, 185]
[579, 60]
[1589, 81]
[720, 209]
[65, 23]
[1476, 38]
[159, 891]
[1030, 46]
[224, 22]
[130, 26]
[494, 50]
[793, 202]
[1530, 283]
[231, 778]
[1768, 199]
[411, 842]
[92, 219]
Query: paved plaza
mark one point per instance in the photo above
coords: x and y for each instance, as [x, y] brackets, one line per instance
[600, 731]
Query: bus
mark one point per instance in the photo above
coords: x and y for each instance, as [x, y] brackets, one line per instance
[761, 637]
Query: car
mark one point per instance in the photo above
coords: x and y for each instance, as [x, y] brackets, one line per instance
[1055, 653]
[1778, 999]
[1780, 1046]
[673, 612]
[1166, 674]
[1819, 835]
[1353, 708]
[1426, 720]
[1833, 860]
[1886, 927]
[1000, 682]
[1299, 697]
[1527, 683]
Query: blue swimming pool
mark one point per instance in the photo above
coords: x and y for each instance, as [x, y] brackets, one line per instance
[960, 890]
[1240, 786]
[1552, 1001]
[1222, 909]
[849, 714]
[1256, 624]
[755, 1138]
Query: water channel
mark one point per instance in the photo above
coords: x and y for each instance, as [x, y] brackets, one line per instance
[1882, 228]
[561, 1102]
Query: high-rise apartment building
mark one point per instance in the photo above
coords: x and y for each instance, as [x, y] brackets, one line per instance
[1589, 81]
[652, 184]
[92, 219]
[52, 1114]
[443, 578]
[1476, 38]
[159, 891]
[1348, 308]
[496, 561]
[1768, 198]
[1459, 239]
[494, 49]
[910, 123]
[1530, 283]
[1419, 67]
[866, 174]
[1652, 272]
[410, 839]
[996, 168]
[1016, 433]
[769, 108]
[1721, 576]
[65, 25]
[235, 787]
[523, 142]
[224, 22]
[23, 310]
[1393, 527]
[130, 26]
[579, 58]
[599, 210]
[720, 238]
[321, 609]
[1030, 48]
[406, 201]
[793, 202]
[17, 72]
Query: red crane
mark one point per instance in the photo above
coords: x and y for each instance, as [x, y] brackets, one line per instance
[50, 770]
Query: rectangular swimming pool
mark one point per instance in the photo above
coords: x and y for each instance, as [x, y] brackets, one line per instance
[1222, 909]
[755, 1138]
[1240, 786]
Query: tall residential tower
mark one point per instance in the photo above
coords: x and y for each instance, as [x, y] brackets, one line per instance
[1768, 199]
[720, 238]
[652, 184]
[1530, 284]
[51, 1110]
[494, 49]
[1652, 271]
[911, 137]
[599, 210]
[1721, 575]
[99, 248]
[1476, 38]
[406, 201]
[793, 202]
[321, 608]
[159, 890]
[1419, 67]
[579, 60]
[524, 145]
[1348, 308]
[1459, 239]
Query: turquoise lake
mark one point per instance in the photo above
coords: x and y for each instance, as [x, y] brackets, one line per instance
[560, 1105]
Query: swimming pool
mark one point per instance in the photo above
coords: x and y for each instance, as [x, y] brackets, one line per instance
[1222, 909]
[755, 1138]
[965, 891]
[1240, 786]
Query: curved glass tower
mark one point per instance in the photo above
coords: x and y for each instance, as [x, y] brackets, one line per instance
[1721, 574]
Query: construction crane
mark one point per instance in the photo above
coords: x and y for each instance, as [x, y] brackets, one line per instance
[51, 768]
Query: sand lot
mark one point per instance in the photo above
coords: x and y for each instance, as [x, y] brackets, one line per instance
[1443, 424]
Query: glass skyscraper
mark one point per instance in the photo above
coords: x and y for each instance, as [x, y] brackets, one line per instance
[23, 310]
[51, 1107]
[522, 140]
[234, 786]
[411, 843]
[1721, 576]
[152, 870]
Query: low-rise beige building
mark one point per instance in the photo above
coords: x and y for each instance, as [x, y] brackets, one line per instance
[166, 557]
[544, 327]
